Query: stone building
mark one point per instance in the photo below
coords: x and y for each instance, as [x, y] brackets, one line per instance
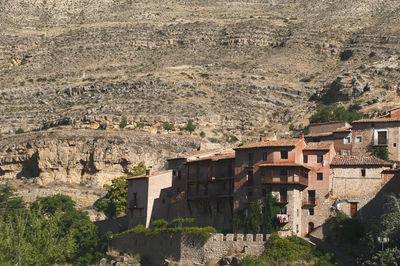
[378, 132]
[338, 132]
[210, 190]
[148, 197]
[356, 181]
[296, 173]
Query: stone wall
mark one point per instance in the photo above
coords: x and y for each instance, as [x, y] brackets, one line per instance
[181, 247]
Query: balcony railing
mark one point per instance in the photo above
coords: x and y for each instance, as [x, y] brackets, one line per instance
[283, 180]
[381, 142]
[310, 202]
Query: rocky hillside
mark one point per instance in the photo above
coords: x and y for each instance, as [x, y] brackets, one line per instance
[71, 71]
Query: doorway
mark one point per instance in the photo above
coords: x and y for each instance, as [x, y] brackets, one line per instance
[353, 209]
[310, 227]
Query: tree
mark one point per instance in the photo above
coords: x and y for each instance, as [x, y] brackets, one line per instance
[270, 222]
[114, 203]
[30, 238]
[381, 152]
[90, 245]
[190, 127]
[168, 126]
[333, 112]
[10, 202]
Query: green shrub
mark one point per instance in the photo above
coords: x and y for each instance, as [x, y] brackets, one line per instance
[381, 152]
[345, 228]
[289, 250]
[139, 125]
[168, 126]
[123, 123]
[202, 134]
[19, 131]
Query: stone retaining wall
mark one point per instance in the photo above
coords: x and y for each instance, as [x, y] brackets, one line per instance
[184, 247]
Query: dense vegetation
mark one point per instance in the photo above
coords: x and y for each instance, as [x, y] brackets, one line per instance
[114, 202]
[289, 250]
[48, 231]
[333, 112]
[389, 227]
[344, 229]
[259, 219]
[381, 152]
[174, 227]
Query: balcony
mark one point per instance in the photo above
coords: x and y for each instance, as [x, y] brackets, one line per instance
[285, 180]
[310, 202]
[282, 218]
[381, 142]
[210, 194]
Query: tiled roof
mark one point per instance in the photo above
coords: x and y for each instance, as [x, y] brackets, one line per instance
[197, 154]
[325, 134]
[283, 164]
[272, 143]
[358, 160]
[216, 157]
[327, 123]
[378, 120]
[148, 176]
[343, 129]
[318, 146]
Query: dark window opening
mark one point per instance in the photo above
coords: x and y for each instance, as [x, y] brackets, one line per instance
[283, 172]
[284, 154]
[265, 156]
[311, 211]
[305, 158]
[382, 137]
[283, 195]
[250, 177]
[251, 159]
[363, 172]
[311, 196]
[319, 158]
[320, 176]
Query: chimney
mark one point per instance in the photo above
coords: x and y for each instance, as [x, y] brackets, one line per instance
[149, 170]
[262, 139]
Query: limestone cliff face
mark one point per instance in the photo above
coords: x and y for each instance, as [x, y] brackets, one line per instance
[91, 158]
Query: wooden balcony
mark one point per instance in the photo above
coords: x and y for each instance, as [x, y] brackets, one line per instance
[285, 180]
[310, 202]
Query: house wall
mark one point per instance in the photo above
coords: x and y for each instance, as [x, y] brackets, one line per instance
[349, 186]
[326, 127]
[137, 215]
[157, 202]
[366, 130]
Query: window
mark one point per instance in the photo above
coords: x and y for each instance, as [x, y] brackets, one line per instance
[394, 144]
[353, 209]
[284, 154]
[173, 172]
[198, 172]
[250, 177]
[311, 211]
[320, 176]
[134, 202]
[298, 212]
[347, 140]
[179, 175]
[250, 195]
[283, 172]
[265, 156]
[178, 190]
[382, 137]
[283, 195]
[359, 139]
[305, 158]
[320, 158]
[251, 158]
[363, 172]
[306, 174]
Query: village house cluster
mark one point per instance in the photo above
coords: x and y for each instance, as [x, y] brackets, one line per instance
[331, 169]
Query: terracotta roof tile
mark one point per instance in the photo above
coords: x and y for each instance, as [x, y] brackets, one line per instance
[216, 157]
[148, 176]
[358, 160]
[318, 146]
[327, 123]
[378, 120]
[272, 143]
[343, 129]
[325, 134]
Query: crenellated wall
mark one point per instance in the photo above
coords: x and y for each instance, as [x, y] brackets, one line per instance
[181, 247]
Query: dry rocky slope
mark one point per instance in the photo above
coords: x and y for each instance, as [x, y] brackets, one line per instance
[233, 67]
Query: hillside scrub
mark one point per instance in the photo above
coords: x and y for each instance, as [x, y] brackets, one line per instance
[289, 250]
